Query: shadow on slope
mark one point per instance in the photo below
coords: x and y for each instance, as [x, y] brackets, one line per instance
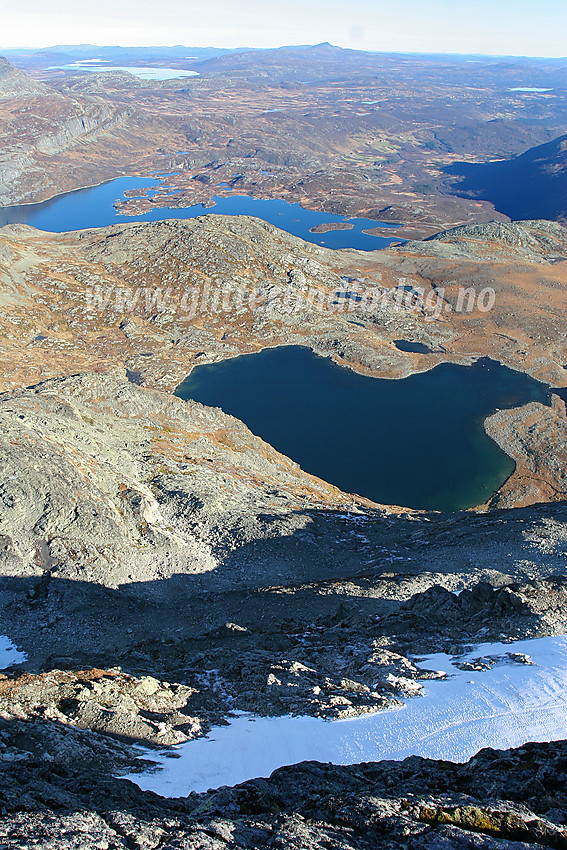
[347, 579]
[530, 186]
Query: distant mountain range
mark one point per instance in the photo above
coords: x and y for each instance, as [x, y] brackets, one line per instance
[66, 54]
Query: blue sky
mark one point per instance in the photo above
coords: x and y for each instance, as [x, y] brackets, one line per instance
[514, 27]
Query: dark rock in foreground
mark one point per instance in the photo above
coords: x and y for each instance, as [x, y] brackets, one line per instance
[61, 796]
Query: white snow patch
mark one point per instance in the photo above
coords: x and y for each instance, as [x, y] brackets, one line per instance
[503, 707]
[9, 654]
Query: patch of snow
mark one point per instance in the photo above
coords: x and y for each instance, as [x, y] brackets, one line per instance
[9, 653]
[504, 706]
[360, 519]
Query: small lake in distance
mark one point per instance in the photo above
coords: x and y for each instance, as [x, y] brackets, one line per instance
[418, 442]
[94, 207]
[143, 72]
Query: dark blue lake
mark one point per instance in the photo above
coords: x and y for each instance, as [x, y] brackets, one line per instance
[417, 442]
[94, 207]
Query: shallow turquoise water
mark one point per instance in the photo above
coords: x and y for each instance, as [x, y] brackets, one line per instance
[94, 207]
[417, 442]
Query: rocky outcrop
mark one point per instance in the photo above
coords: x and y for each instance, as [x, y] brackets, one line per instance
[133, 485]
[536, 437]
[39, 124]
[437, 618]
[527, 241]
[104, 701]
[59, 795]
[79, 128]
[15, 84]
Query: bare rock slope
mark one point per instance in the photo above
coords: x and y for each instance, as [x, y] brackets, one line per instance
[110, 483]
[50, 140]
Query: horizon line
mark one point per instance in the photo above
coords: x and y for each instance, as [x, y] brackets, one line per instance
[284, 47]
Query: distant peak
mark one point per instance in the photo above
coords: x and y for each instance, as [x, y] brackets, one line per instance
[325, 45]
